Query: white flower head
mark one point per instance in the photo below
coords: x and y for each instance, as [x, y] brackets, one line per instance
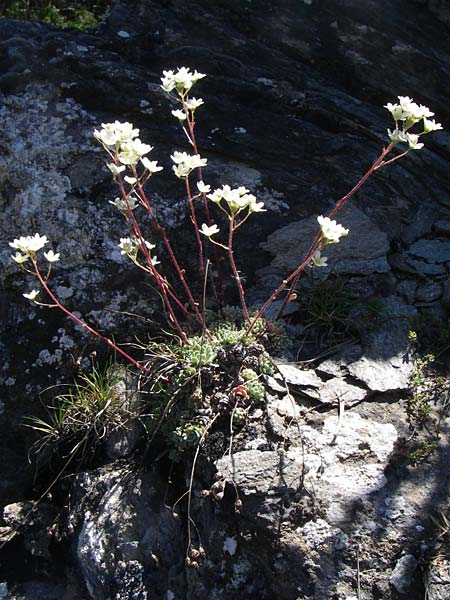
[431, 125]
[396, 111]
[121, 205]
[255, 206]
[151, 165]
[130, 246]
[130, 180]
[31, 295]
[179, 114]
[317, 260]
[185, 163]
[115, 133]
[413, 141]
[115, 170]
[20, 258]
[194, 103]
[397, 136]
[237, 199]
[132, 151]
[331, 231]
[29, 244]
[203, 187]
[180, 80]
[51, 256]
[209, 231]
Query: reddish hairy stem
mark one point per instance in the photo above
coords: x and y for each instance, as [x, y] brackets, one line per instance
[88, 327]
[195, 224]
[295, 275]
[191, 126]
[161, 284]
[162, 232]
[235, 271]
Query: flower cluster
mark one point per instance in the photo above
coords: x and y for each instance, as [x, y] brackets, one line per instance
[236, 199]
[122, 143]
[112, 134]
[408, 113]
[182, 80]
[331, 231]
[185, 163]
[130, 247]
[28, 246]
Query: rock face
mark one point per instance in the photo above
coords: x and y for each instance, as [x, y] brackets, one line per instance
[293, 111]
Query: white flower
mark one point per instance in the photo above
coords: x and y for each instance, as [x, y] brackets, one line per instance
[182, 80]
[115, 170]
[209, 231]
[408, 111]
[121, 205]
[115, 133]
[396, 111]
[255, 206]
[237, 199]
[179, 114]
[132, 151]
[429, 126]
[31, 295]
[397, 136]
[151, 165]
[20, 258]
[413, 141]
[194, 103]
[155, 261]
[331, 231]
[202, 187]
[317, 260]
[51, 256]
[29, 244]
[185, 163]
[127, 246]
[130, 180]
[130, 246]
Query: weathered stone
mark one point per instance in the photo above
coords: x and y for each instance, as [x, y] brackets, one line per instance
[300, 378]
[420, 268]
[386, 364]
[402, 576]
[442, 227]
[363, 253]
[433, 251]
[437, 581]
[428, 292]
[338, 390]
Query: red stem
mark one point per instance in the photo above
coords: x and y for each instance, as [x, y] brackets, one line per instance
[195, 224]
[86, 326]
[161, 284]
[162, 232]
[235, 271]
[295, 275]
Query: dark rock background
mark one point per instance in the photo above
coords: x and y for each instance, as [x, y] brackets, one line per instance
[294, 99]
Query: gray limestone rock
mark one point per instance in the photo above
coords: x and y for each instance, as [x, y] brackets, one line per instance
[433, 251]
[363, 251]
[386, 362]
[403, 573]
[437, 581]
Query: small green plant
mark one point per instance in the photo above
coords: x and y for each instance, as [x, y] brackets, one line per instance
[332, 314]
[80, 418]
[431, 333]
[59, 13]
[428, 405]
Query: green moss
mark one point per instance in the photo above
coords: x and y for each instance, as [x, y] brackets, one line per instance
[59, 13]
